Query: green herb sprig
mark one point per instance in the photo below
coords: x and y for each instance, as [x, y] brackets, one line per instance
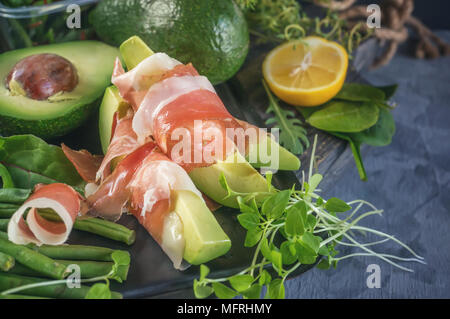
[292, 133]
[284, 20]
[293, 228]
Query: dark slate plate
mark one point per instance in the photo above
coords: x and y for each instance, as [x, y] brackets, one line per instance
[151, 272]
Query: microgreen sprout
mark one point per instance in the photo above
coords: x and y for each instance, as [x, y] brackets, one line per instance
[293, 228]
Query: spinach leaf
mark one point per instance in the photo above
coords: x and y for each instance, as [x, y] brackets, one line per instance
[345, 116]
[361, 93]
[356, 150]
[308, 111]
[31, 160]
[380, 134]
[389, 91]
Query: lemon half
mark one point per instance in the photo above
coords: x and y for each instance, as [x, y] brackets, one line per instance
[306, 72]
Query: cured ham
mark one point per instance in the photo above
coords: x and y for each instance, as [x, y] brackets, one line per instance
[150, 203]
[110, 199]
[134, 84]
[162, 94]
[123, 142]
[203, 124]
[86, 164]
[142, 183]
[62, 199]
[173, 103]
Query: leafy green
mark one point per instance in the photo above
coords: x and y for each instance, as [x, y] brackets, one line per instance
[288, 254]
[345, 116]
[248, 220]
[241, 282]
[292, 133]
[308, 228]
[311, 241]
[360, 93]
[389, 91]
[253, 236]
[121, 260]
[254, 292]
[31, 160]
[295, 219]
[379, 134]
[99, 291]
[337, 205]
[276, 289]
[204, 271]
[202, 291]
[274, 206]
[359, 114]
[222, 291]
[355, 146]
[305, 254]
[265, 278]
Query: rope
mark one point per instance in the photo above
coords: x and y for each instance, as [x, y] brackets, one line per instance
[396, 17]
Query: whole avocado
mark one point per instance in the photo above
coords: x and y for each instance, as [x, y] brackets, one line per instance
[211, 34]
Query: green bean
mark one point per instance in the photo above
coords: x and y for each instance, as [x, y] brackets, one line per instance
[10, 281]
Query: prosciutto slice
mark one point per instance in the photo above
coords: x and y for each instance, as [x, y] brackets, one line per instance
[133, 85]
[110, 198]
[150, 203]
[201, 120]
[123, 142]
[62, 199]
[163, 93]
[142, 183]
[85, 163]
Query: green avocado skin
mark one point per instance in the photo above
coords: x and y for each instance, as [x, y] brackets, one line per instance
[48, 128]
[211, 34]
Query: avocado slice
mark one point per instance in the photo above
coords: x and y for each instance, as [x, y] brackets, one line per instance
[133, 51]
[240, 176]
[204, 238]
[112, 102]
[286, 160]
[59, 114]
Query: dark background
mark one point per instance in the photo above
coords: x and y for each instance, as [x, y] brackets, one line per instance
[409, 179]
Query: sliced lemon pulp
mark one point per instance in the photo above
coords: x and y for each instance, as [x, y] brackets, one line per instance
[306, 72]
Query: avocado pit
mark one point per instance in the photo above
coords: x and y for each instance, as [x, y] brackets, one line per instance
[41, 76]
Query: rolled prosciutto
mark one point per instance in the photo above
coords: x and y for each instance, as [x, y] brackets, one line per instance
[62, 199]
[181, 111]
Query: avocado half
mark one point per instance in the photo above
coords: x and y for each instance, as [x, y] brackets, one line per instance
[56, 116]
